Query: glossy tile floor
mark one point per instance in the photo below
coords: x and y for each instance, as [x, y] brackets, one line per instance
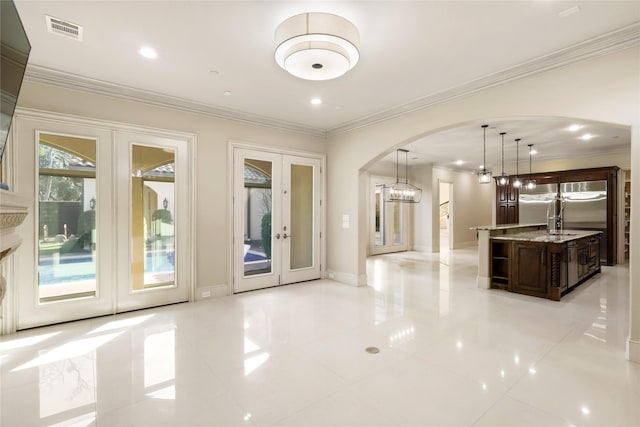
[450, 354]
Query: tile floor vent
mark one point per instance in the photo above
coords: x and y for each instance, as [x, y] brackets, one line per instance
[64, 28]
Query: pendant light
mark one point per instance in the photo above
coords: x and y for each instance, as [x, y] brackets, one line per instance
[484, 176]
[530, 184]
[402, 192]
[517, 182]
[503, 179]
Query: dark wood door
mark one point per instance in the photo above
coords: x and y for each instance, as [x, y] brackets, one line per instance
[529, 269]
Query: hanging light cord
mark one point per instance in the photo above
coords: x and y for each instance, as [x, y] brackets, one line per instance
[406, 167]
[397, 167]
[484, 149]
[530, 145]
[517, 157]
[502, 133]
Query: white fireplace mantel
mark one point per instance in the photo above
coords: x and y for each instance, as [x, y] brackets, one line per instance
[13, 210]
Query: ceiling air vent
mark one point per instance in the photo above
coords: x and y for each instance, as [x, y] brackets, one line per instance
[64, 28]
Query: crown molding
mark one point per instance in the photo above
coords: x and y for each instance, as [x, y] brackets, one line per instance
[40, 74]
[605, 44]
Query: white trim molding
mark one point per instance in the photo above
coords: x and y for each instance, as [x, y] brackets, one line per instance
[604, 44]
[633, 350]
[49, 76]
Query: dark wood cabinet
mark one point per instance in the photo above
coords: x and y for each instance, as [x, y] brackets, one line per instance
[546, 269]
[529, 269]
[506, 205]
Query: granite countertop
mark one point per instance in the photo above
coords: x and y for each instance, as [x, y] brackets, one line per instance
[543, 236]
[506, 226]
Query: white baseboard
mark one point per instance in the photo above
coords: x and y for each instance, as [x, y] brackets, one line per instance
[423, 249]
[633, 350]
[215, 291]
[483, 282]
[347, 278]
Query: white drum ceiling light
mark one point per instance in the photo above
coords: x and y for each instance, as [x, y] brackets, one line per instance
[317, 46]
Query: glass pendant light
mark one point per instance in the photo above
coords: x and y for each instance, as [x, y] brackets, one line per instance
[484, 176]
[517, 182]
[530, 184]
[503, 179]
[402, 192]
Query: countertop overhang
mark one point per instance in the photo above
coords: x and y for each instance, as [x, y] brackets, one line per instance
[506, 226]
[545, 237]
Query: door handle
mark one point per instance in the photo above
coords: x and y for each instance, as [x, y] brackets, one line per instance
[278, 236]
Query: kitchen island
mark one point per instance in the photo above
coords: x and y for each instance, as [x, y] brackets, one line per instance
[541, 264]
[525, 258]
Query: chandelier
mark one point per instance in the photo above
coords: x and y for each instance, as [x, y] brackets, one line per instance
[402, 192]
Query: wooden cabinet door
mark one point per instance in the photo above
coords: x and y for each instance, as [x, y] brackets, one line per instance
[529, 272]
[506, 205]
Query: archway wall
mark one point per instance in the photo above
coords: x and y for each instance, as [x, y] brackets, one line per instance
[605, 88]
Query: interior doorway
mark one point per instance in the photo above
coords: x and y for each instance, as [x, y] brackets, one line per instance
[445, 190]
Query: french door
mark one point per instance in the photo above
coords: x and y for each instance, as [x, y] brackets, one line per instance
[152, 177]
[108, 230]
[388, 225]
[276, 211]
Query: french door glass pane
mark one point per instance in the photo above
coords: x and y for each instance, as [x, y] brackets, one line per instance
[301, 231]
[397, 223]
[257, 217]
[152, 217]
[67, 217]
[379, 216]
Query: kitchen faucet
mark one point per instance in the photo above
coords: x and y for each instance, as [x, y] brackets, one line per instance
[555, 215]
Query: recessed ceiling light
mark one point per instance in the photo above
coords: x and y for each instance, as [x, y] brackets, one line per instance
[586, 136]
[574, 128]
[534, 152]
[227, 93]
[459, 162]
[481, 167]
[148, 52]
[316, 101]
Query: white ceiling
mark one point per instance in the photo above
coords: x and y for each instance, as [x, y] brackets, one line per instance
[550, 136]
[411, 52]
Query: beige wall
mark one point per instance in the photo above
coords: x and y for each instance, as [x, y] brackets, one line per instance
[213, 134]
[604, 89]
[422, 213]
[471, 206]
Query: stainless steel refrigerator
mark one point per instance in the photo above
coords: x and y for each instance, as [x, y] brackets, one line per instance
[585, 208]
